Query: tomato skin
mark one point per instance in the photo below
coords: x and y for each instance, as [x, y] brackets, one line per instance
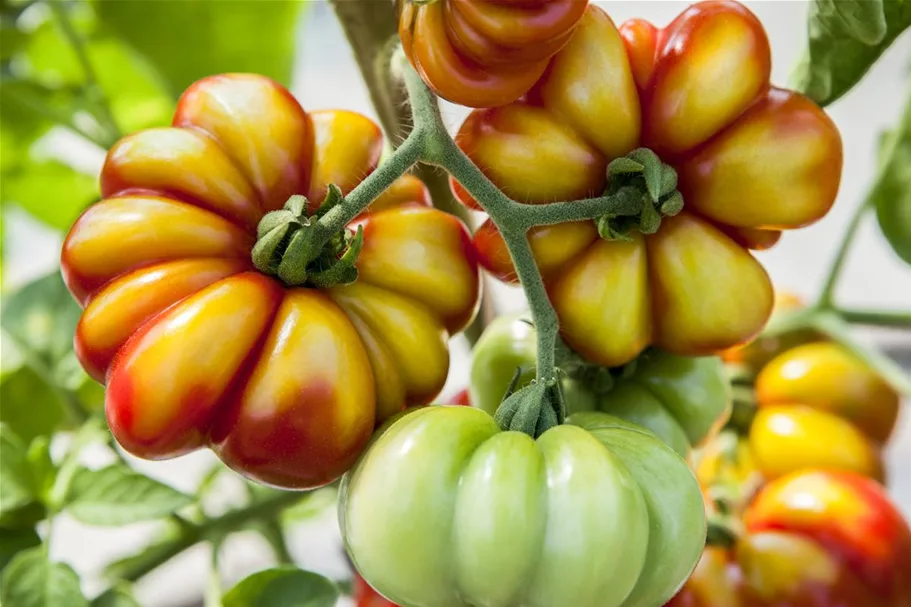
[825, 376]
[475, 515]
[683, 400]
[484, 53]
[691, 288]
[199, 349]
[851, 518]
[787, 438]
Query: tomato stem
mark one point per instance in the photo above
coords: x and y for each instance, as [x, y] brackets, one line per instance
[879, 318]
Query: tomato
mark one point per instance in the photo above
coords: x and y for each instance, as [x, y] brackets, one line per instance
[444, 508]
[198, 348]
[828, 377]
[750, 160]
[811, 539]
[682, 400]
[483, 53]
[784, 439]
[851, 518]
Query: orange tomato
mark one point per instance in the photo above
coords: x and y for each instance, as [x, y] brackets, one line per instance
[198, 348]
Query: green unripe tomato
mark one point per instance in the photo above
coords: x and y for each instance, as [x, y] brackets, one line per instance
[684, 400]
[446, 510]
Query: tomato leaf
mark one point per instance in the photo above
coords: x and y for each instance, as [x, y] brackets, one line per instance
[31, 580]
[283, 587]
[16, 488]
[117, 495]
[892, 194]
[845, 38]
[118, 596]
[30, 405]
[14, 541]
[188, 40]
[50, 191]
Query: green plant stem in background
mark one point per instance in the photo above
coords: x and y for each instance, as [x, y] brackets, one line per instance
[102, 113]
[841, 255]
[263, 508]
[877, 318]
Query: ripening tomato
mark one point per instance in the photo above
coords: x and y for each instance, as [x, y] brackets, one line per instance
[198, 348]
[811, 539]
[851, 518]
[444, 508]
[682, 400]
[827, 377]
[746, 159]
[484, 53]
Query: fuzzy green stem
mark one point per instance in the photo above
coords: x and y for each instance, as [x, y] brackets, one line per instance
[828, 290]
[876, 318]
[191, 534]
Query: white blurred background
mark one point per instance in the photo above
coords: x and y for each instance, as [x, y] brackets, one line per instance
[326, 76]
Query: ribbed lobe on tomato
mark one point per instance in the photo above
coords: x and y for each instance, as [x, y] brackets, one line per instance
[589, 86]
[778, 166]
[851, 517]
[713, 61]
[785, 439]
[486, 51]
[707, 292]
[641, 40]
[308, 397]
[453, 76]
[259, 125]
[406, 190]
[169, 380]
[123, 305]
[400, 327]
[532, 155]
[424, 254]
[347, 146]
[752, 238]
[825, 376]
[606, 324]
[207, 176]
[143, 230]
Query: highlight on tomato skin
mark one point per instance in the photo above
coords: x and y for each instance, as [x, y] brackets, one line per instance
[697, 93]
[484, 53]
[199, 348]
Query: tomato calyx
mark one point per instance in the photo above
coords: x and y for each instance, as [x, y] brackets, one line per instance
[294, 246]
[644, 189]
[534, 409]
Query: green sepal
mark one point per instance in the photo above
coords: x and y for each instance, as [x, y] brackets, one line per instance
[292, 269]
[672, 205]
[651, 170]
[649, 220]
[624, 166]
[668, 180]
[343, 271]
[534, 409]
[267, 250]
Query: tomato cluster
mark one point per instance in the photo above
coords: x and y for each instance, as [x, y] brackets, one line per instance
[749, 160]
[197, 347]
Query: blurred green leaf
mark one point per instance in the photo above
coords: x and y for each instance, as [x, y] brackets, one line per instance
[29, 404]
[42, 470]
[312, 504]
[117, 495]
[283, 587]
[31, 580]
[892, 194]
[846, 37]
[42, 318]
[16, 488]
[14, 541]
[50, 191]
[188, 40]
[118, 596]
